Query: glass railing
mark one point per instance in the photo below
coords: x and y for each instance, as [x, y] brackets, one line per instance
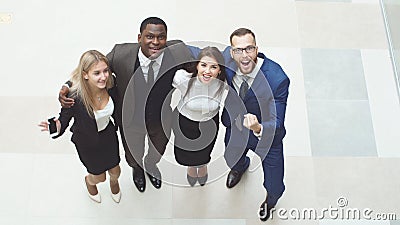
[391, 14]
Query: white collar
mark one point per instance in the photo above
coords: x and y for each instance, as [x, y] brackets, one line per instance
[144, 61]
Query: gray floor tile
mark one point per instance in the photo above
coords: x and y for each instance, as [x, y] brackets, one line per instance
[333, 74]
[341, 128]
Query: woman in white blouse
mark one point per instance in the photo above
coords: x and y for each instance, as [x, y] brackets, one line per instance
[197, 122]
[94, 134]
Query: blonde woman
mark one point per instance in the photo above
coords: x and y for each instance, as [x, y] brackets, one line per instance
[94, 134]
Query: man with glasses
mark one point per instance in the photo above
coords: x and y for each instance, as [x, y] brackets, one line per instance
[262, 87]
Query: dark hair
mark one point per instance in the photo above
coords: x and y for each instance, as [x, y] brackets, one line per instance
[216, 54]
[152, 20]
[241, 32]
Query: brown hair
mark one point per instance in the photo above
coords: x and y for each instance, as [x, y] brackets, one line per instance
[212, 52]
[241, 32]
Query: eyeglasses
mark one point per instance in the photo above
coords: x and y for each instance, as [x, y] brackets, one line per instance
[248, 49]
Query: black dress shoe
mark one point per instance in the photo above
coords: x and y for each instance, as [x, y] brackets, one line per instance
[265, 211]
[233, 178]
[138, 179]
[154, 180]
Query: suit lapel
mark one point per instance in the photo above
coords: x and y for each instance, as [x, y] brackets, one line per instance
[257, 81]
[166, 64]
[133, 62]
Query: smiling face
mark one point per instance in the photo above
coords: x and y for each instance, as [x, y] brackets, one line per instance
[97, 75]
[152, 40]
[207, 69]
[244, 60]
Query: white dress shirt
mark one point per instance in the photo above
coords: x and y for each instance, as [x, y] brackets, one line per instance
[103, 116]
[203, 101]
[144, 64]
[238, 80]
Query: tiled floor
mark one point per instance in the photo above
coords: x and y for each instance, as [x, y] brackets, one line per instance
[343, 116]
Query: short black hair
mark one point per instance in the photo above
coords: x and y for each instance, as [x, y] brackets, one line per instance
[241, 32]
[152, 20]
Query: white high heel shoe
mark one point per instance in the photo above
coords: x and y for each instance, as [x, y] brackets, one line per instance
[96, 197]
[116, 197]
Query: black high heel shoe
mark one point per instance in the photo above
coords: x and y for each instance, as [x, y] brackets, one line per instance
[191, 180]
[202, 180]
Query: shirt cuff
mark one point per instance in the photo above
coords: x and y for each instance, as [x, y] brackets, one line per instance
[258, 135]
[67, 84]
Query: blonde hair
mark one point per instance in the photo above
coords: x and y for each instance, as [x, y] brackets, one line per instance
[80, 87]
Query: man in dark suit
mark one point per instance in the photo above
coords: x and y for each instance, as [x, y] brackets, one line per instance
[144, 72]
[257, 100]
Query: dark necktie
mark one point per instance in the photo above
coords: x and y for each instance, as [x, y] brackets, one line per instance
[244, 87]
[150, 74]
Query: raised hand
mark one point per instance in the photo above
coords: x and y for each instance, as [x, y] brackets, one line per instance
[250, 121]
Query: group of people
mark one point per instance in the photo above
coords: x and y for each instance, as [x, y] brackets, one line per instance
[130, 90]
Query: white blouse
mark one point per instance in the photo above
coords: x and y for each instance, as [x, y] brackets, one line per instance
[103, 116]
[203, 101]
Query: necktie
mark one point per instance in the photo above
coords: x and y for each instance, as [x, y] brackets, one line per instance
[244, 87]
[150, 74]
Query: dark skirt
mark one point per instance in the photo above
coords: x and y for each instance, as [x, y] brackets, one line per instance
[103, 155]
[194, 141]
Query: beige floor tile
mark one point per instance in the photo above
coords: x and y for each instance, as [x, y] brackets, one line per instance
[363, 182]
[383, 104]
[20, 133]
[17, 179]
[209, 222]
[340, 25]
[210, 201]
[276, 27]
[281, 222]
[296, 143]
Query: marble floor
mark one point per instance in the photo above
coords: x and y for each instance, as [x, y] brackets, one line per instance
[341, 149]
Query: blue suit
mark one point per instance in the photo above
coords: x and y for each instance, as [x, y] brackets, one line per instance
[266, 98]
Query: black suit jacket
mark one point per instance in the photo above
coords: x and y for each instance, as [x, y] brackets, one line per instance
[84, 130]
[123, 63]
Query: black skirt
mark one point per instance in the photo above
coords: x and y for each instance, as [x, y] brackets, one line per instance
[103, 155]
[194, 141]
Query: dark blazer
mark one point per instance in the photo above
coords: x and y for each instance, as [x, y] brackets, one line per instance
[123, 61]
[266, 99]
[84, 130]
